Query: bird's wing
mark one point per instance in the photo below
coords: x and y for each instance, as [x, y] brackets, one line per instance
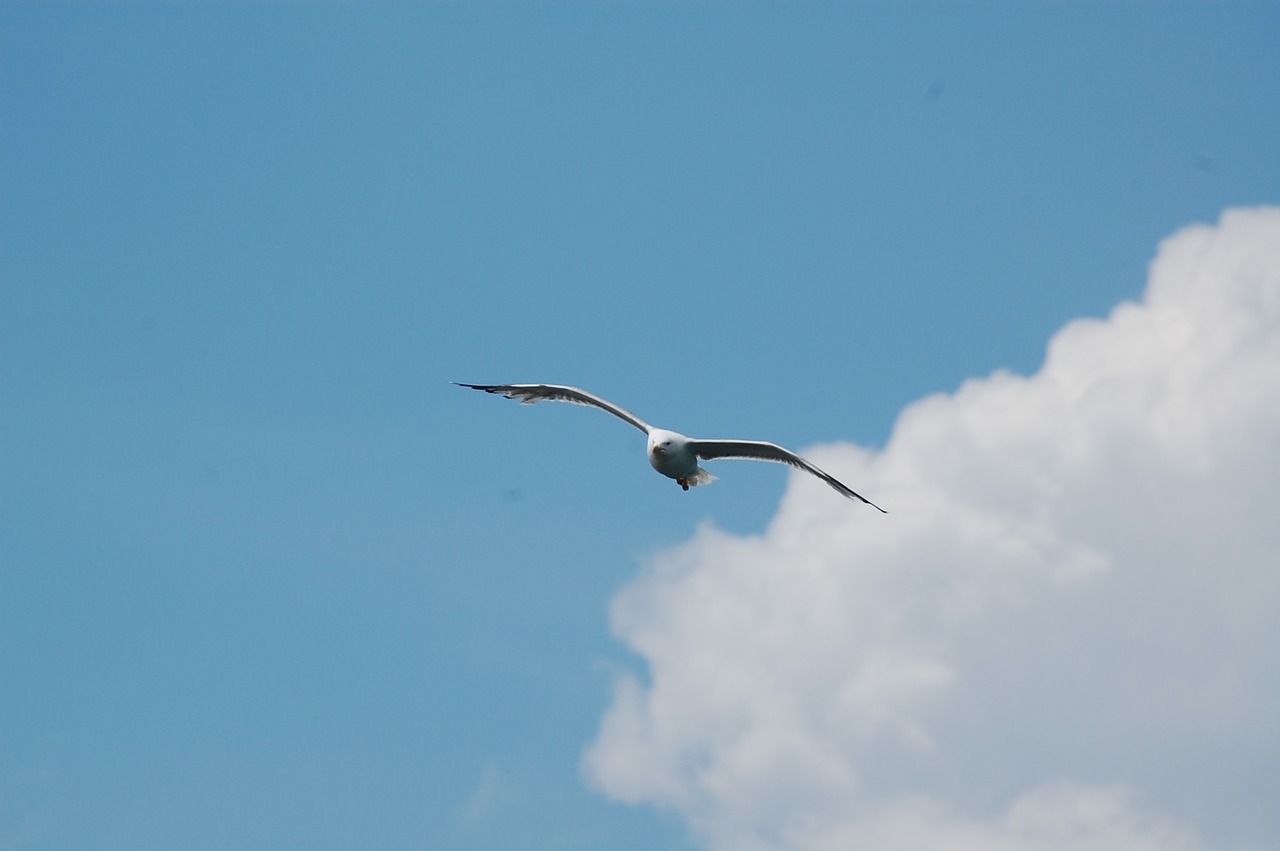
[759, 450]
[530, 393]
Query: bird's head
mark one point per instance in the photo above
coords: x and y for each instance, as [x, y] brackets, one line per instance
[663, 442]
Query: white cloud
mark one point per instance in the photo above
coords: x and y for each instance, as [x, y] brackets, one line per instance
[1065, 635]
[492, 792]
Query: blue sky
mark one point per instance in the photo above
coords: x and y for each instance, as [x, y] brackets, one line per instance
[270, 581]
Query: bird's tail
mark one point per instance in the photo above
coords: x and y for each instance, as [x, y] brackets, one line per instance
[700, 477]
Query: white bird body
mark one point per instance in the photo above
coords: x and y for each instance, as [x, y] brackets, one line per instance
[672, 454]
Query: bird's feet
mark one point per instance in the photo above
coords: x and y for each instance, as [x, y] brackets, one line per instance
[684, 483]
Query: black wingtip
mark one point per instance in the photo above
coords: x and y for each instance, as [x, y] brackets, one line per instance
[867, 501]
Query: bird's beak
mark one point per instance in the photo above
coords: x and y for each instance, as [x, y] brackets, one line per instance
[657, 450]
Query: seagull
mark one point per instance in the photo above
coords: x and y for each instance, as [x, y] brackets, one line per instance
[671, 453]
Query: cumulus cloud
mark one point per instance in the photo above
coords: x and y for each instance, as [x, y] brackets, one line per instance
[1065, 635]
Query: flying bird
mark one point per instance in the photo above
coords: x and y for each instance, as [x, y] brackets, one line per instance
[671, 453]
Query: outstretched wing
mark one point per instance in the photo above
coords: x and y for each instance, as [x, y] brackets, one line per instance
[530, 393]
[759, 450]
